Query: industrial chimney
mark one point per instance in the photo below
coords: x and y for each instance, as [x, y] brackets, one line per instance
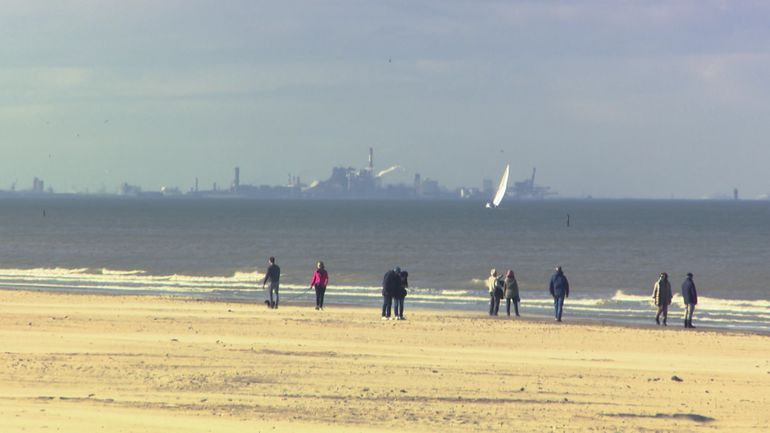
[371, 159]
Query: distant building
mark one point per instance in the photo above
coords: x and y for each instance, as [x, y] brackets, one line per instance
[528, 189]
[38, 185]
[236, 179]
[487, 186]
[130, 190]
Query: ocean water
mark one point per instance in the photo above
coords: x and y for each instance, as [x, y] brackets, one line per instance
[612, 251]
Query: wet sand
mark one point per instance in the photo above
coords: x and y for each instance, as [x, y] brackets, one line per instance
[86, 363]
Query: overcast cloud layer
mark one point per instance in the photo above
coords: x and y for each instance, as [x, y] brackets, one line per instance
[606, 98]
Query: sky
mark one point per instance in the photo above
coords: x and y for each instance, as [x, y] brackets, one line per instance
[646, 99]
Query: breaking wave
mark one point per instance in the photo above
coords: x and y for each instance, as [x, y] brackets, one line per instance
[622, 305]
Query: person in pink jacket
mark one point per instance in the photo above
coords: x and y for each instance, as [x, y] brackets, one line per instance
[319, 282]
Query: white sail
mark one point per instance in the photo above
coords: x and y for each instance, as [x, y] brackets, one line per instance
[502, 188]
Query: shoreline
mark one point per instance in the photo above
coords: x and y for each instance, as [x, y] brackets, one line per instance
[579, 318]
[82, 362]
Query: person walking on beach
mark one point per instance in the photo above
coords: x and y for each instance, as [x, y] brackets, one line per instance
[559, 289]
[319, 282]
[272, 276]
[400, 295]
[690, 296]
[662, 295]
[511, 293]
[495, 292]
[391, 283]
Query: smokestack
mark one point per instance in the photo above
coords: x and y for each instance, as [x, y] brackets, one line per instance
[371, 159]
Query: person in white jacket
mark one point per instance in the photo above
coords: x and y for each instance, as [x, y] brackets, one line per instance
[495, 292]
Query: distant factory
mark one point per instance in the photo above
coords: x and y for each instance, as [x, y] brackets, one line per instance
[354, 183]
[343, 183]
[526, 189]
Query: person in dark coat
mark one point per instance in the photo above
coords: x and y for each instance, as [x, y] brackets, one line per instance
[391, 284]
[511, 293]
[690, 296]
[559, 289]
[400, 295]
[272, 276]
[662, 295]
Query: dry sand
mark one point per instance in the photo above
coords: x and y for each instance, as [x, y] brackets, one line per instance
[82, 363]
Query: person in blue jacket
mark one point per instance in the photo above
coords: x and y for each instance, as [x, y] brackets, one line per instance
[690, 296]
[559, 289]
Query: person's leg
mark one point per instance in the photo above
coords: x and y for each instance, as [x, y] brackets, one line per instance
[491, 304]
[396, 309]
[665, 314]
[317, 296]
[323, 293]
[508, 306]
[384, 305]
[657, 316]
[269, 295]
[516, 307]
[401, 301]
[276, 295]
[497, 305]
[686, 313]
[556, 307]
[692, 311]
[560, 307]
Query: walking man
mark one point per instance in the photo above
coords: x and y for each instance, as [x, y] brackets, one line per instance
[559, 289]
[662, 295]
[272, 276]
[690, 296]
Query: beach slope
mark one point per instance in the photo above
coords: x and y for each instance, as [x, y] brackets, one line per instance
[86, 363]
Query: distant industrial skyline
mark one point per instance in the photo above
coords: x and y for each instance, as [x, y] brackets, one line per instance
[647, 99]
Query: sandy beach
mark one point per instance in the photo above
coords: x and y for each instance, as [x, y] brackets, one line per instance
[85, 363]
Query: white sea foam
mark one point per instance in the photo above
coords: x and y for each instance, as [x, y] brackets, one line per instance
[723, 312]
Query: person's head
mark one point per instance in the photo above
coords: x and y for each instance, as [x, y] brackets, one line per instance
[320, 265]
[493, 272]
[397, 269]
[404, 274]
[689, 275]
[271, 260]
[509, 274]
[663, 276]
[558, 269]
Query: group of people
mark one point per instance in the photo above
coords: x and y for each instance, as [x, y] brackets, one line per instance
[271, 283]
[503, 287]
[558, 287]
[394, 285]
[662, 296]
[507, 287]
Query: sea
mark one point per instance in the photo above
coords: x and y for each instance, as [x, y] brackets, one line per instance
[217, 248]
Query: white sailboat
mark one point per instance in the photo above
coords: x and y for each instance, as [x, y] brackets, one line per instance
[502, 188]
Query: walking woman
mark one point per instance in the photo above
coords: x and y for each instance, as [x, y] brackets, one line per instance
[495, 292]
[319, 282]
[511, 293]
